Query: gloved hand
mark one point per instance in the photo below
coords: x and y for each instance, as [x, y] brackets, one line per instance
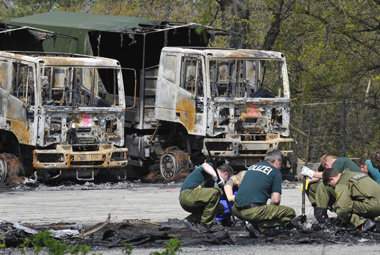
[307, 172]
[220, 183]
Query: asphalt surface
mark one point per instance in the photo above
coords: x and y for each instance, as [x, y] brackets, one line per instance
[91, 203]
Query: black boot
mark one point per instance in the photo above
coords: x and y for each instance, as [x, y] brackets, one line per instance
[253, 232]
[320, 214]
[369, 224]
[188, 221]
[275, 231]
[296, 222]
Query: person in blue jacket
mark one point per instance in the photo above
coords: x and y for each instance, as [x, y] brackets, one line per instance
[371, 166]
[230, 190]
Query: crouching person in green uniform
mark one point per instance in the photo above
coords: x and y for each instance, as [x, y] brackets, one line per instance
[200, 195]
[261, 182]
[356, 195]
[324, 196]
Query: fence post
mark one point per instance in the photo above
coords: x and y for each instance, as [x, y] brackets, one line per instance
[344, 128]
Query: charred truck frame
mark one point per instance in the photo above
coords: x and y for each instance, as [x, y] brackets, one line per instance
[237, 101]
[61, 113]
[186, 95]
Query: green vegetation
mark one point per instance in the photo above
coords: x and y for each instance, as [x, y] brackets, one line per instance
[127, 248]
[331, 47]
[2, 245]
[53, 246]
[171, 248]
[56, 247]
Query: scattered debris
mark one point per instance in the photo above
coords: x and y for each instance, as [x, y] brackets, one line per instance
[144, 233]
[95, 228]
[55, 233]
[148, 222]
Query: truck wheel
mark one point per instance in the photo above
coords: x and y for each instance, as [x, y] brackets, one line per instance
[3, 170]
[11, 169]
[168, 165]
[174, 161]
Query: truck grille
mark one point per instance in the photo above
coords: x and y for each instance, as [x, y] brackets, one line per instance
[220, 146]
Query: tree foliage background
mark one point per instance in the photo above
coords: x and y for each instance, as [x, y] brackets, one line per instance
[332, 46]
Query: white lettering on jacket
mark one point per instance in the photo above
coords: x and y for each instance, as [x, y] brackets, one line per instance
[264, 169]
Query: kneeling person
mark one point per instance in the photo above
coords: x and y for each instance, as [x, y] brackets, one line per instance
[323, 194]
[261, 182]
[200, 195]
[356, 195]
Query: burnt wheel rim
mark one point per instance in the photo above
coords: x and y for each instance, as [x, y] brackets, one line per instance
[3, 170]
[168, 165]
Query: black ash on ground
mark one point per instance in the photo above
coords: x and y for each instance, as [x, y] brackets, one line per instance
[146, 234]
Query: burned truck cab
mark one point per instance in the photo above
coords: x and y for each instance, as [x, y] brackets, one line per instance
[236, 100]
[68, 108]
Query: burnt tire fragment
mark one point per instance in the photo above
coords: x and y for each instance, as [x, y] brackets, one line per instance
[11, 169]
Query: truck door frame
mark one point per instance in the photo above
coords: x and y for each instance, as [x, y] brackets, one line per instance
[198, 99]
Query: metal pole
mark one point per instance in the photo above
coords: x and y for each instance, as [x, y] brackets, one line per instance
[344, 128]
[142, 85]
[307, 159]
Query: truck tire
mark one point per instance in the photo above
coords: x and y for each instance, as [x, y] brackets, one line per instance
[168, 165]
[174, 161]
[11, 169]
[3, 170]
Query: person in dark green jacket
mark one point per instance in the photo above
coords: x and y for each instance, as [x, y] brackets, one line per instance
[262, 181]
[200, 195]
[325, 195]
[357, 195]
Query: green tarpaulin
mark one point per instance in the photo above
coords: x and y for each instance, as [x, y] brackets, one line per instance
[88, 22]
[135, 42]
[77, 25]
[93, 31]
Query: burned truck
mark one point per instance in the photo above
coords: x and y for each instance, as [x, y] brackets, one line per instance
[186, 96]
[234, 102]
[61, 115]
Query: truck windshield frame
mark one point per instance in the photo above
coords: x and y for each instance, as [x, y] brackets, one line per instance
[238, 78]
[80, 86]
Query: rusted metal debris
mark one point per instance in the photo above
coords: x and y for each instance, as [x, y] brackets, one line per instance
[148, 222]
[95, 228]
